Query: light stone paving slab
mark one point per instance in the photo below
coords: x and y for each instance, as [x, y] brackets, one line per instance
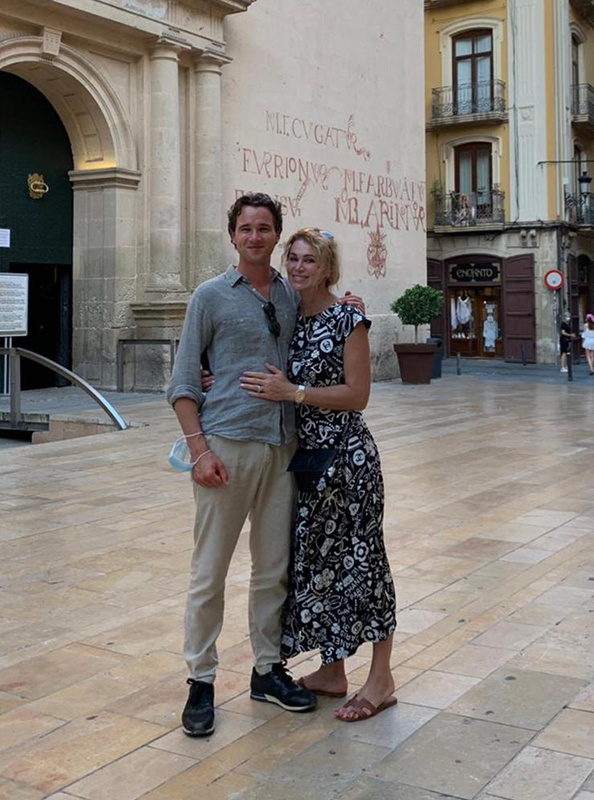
[584, 701]
[436, 689]
[323, 769]
[509, 635]
[516, 697]
[566, 596]
[571, 732]
[11, 791]
[475, 661]
[390, 728]
[527, 555]
[370, 789]
[415, 621]
[229, 728]
[453, 755]
[74, 750]
[131, 776]
[540, 775]
[541, 615]
[565, 649]
[589, 784]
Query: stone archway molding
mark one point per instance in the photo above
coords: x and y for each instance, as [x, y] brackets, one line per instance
[94, 117]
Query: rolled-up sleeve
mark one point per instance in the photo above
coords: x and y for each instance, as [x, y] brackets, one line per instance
[196, 334]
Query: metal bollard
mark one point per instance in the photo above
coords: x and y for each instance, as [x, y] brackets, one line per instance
[569, 366]
[458, 364]
[15, 389]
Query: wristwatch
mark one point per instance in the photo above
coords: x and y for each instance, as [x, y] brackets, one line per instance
[300, 393]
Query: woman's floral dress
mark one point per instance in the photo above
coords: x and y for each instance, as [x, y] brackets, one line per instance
[341, 592]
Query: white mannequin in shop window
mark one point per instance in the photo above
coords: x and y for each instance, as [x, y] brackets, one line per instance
[490, 328]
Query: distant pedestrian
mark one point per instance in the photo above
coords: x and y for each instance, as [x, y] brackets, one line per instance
[565, 339]
[588, 341]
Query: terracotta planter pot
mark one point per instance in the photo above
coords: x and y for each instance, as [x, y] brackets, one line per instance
[415, 361]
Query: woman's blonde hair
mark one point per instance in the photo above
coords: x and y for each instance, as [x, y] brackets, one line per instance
[325, 250]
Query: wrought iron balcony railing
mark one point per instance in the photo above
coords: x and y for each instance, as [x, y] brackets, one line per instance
[482, 101]
[582, 107]
[580, 209]
[458, 210]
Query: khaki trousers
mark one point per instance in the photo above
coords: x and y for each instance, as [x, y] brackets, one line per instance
[259, 487]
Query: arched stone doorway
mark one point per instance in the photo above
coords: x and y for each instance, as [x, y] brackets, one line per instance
[34, 141]
[103, 179]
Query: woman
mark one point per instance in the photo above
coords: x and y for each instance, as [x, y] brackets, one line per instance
[341, 591]
[588, 341]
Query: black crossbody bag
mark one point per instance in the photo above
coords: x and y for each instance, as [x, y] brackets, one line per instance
[313, 468]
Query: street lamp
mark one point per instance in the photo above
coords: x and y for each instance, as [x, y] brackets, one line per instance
[584, 181]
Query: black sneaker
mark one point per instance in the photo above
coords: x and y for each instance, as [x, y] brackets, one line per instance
[278, 687]
[198, 715]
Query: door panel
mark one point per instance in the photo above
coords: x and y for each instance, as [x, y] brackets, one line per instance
[33, 140]
[573, 290]
[519, 327]
[436, 279]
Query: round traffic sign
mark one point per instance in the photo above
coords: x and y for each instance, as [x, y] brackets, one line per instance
[554, 280]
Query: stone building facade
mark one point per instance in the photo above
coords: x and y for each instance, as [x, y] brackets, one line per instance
[170, 109]
[510, 137]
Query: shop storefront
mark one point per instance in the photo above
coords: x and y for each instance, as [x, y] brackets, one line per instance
[489, 306]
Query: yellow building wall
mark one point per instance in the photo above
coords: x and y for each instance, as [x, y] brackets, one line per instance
[552, 169]
[584, 140]
[436, 19]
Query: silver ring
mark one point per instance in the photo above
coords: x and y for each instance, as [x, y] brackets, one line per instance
[259, 388]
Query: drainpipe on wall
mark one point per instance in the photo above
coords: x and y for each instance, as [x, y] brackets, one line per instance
[514, 181]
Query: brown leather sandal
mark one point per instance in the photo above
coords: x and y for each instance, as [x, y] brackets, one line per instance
[319, 692]
[360, 706]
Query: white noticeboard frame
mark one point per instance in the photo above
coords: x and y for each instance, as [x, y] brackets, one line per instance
[14, 304]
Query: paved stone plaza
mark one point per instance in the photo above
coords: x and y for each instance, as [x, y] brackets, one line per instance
[490, 531]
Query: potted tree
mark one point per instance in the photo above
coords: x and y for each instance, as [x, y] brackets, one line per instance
[417, 306]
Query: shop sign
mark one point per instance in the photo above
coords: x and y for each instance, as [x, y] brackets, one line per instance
[475, 272]
[13, 304]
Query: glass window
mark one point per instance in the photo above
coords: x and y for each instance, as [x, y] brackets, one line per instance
[473, 73]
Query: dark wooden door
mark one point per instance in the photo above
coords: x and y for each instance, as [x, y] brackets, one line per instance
[573, 298]
[519, 329]
[33, 140]
[49, 334]
[436, 280]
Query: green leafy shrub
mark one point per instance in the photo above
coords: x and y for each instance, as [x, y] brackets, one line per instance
[418, 306]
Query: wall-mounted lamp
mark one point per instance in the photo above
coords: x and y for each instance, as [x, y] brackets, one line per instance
[584, 181]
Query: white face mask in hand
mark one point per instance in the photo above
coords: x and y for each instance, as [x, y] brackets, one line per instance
[179, 455]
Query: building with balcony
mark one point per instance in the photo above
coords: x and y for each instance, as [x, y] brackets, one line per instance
[129, 127]
[510, 139]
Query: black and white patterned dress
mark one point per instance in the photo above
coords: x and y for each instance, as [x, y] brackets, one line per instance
[341, 592]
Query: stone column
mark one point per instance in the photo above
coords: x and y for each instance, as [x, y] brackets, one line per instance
[208, 177]
[165, 172]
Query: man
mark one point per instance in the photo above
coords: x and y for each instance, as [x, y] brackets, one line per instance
[240, 448]
[565, 339]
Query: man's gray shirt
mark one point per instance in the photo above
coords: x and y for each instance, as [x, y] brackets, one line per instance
[225, 320]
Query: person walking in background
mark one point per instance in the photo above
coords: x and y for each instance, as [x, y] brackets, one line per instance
[588, 341]
[565, 339]
[341, 592]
